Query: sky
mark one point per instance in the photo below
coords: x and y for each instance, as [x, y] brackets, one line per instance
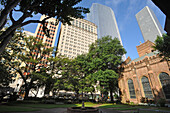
[125, 11]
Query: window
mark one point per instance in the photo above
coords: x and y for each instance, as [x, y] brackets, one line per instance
[66, 47]
[131, 89]
[65, 51]
[83, 25]
[91, 29]
[80, 24]
[88, 27]
[146, 87]
[73, 22]
[165, 82]
[76, 23]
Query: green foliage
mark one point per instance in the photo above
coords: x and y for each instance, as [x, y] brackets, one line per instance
[162, 44]
[7, 59]
[62, 10]
[5, 76]
[105, 57]
[162, 102]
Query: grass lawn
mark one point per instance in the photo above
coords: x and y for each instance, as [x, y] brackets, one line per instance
[113, 106]
[131, 107]
[5, 108]
[47, 106]
[87, 104]
[18, 107]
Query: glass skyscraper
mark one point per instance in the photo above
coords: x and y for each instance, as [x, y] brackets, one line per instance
[149, 24]
[105, 20]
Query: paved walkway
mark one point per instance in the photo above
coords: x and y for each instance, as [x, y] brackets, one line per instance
[64, 110]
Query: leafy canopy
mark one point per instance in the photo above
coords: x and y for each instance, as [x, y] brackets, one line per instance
[62, 10]
[162, 44]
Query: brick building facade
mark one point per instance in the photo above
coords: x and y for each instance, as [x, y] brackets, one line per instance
[147, 76]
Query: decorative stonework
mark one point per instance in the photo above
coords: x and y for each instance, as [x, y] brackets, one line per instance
[149, 66]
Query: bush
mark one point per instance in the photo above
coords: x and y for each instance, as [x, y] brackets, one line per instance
[132, 103]
[162, 102]
[127, 101]
[144, 100]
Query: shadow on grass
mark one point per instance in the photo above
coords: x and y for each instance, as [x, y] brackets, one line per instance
[48, 106]
[24, 107]
[5, 108]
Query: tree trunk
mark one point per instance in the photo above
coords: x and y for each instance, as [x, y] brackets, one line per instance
[47, 91]
[26, 93]
[92, 95]
[27, 89]
[77, 94]
[4, 43]
[111, 95]
[37, 93]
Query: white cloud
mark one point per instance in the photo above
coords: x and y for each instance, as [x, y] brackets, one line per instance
[131, 9]
[113, 2]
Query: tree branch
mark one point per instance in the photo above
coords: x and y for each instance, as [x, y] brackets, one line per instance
[6, 11]
[15, 25]
[4, 43]
[30, 21]
[3, 24]
[11, 18]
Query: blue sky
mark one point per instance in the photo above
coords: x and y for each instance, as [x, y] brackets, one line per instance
[125, 11]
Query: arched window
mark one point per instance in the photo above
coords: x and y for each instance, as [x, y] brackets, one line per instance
[165, 81]
[146, 87]
[131, 89]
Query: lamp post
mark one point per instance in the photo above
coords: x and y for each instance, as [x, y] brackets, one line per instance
[83, 107]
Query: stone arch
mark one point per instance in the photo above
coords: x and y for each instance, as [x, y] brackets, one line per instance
[131, 88]
[146, 87]
[165, 83]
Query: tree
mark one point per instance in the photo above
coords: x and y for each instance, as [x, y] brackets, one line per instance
[5, 76]
[7, 58]
[63, 10]
[26, 56]
[162, 44]
[35, 57]
[105, 57]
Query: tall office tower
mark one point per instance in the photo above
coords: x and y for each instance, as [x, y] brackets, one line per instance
[50, 24]
[149, 24]
[105, 20]
[75, 39]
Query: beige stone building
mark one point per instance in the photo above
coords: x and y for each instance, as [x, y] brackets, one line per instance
[147, 77]
[75, 39]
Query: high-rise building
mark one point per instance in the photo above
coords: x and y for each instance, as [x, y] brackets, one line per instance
[75, 39]
[149, 24]
[53, 28]
[105, 20]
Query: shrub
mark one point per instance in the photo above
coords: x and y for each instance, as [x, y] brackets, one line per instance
[132, 103]
[161, 102]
